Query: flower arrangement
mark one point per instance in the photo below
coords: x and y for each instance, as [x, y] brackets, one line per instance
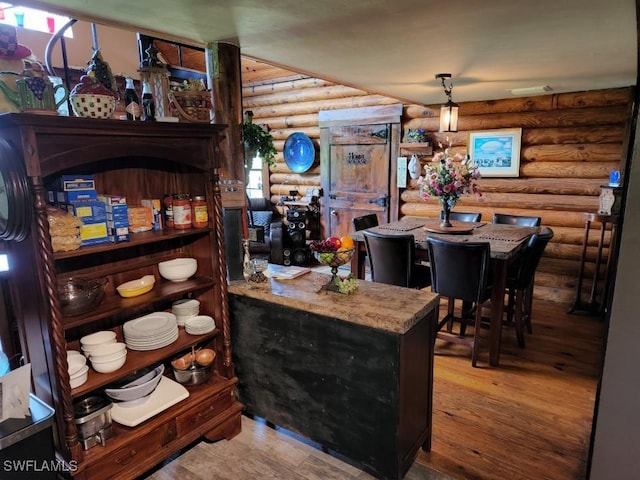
[417, 135]
[448, 178]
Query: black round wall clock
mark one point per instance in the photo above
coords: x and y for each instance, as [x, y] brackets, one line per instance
[15, 196]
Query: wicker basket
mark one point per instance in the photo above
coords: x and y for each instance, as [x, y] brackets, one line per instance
[191, 106]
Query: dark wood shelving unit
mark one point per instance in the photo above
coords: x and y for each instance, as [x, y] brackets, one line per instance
[141, 238]
[113, 304]
[136, 358]
[138, 160]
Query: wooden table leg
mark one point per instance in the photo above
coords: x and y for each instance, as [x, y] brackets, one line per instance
[497, 306]
[577, 303]
[607, 279]
[594, 285]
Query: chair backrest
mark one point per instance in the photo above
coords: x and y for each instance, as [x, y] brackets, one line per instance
[520, 220]
[391, 257]
[526, 267]
[459, 269]
[463, 216]
[365, 221]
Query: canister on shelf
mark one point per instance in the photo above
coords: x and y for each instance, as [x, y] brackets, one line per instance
[181, 211]
[167, 210]
[199, 212]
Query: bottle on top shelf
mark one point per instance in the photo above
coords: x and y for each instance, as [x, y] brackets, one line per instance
[131, 100]
[148, 105]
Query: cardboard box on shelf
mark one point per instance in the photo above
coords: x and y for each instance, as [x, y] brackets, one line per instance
[118, 234]
[76, 182]
[93, 233]
[112, 199]
[140, 219]
[156, 211]
[89, 211]
[118, 214]
[57, 197]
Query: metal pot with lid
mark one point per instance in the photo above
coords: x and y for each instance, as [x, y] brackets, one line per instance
[92, 417]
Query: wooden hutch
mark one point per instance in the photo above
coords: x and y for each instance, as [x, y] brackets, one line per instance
[139, 160]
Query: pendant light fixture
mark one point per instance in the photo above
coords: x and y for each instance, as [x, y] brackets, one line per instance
[448, 111]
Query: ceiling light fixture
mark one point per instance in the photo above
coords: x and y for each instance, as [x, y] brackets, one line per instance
[448, 111]
[531, 90]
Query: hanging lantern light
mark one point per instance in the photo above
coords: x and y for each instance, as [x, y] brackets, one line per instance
[449, 110]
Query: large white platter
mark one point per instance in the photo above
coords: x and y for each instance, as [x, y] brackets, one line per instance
[166, 394]
[151, 340]
[149, 325]
[155, 345]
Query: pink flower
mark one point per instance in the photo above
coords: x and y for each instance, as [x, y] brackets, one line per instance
[449, 177]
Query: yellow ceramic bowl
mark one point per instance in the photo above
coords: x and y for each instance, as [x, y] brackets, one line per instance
[136, 287]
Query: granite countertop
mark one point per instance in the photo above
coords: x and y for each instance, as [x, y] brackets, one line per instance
[376, 305]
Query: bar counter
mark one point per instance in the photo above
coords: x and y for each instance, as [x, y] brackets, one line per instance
[352, 373]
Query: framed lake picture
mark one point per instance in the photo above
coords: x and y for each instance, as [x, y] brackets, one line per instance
[496, 152]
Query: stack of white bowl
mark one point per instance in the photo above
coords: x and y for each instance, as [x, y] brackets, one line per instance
[77, 368]
[184, 309]
[105, 353]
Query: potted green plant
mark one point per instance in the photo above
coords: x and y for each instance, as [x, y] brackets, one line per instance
[257, 140]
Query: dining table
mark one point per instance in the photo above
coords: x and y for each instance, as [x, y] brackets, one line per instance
[506, 244]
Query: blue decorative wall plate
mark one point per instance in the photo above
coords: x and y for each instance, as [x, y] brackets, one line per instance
[299, 152]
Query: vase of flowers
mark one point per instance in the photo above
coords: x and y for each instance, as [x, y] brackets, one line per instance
[448, 178]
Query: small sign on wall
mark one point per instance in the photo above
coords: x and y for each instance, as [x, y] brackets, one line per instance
[402, 172]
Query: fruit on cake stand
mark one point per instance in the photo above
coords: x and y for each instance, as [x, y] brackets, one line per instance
[334, 252]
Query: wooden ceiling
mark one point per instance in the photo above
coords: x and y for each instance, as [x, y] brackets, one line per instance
[493, 49]
[253, 71]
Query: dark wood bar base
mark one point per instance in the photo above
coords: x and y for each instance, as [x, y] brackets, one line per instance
[364, 393]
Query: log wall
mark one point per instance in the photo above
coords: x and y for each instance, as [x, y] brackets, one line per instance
[570, 143]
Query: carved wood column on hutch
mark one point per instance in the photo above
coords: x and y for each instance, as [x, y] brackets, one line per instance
[139, 160]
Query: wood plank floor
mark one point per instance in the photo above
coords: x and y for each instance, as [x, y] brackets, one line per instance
[530, 418]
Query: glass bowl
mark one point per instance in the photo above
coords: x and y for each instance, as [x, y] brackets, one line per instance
[80, 295]
[254, 268]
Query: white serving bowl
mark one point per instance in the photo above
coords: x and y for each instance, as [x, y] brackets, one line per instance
[106, 350]
[75, 364]
[91, 348]
[178, 269]
[109, 366]
[103, 336]
[106, 358]
[139, 388]
[79, 377]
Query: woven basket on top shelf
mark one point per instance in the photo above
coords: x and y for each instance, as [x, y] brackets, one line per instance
[191, 106]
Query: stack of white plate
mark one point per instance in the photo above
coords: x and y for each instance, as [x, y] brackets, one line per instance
[199, 325]
[150, 332]
[184, 309]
